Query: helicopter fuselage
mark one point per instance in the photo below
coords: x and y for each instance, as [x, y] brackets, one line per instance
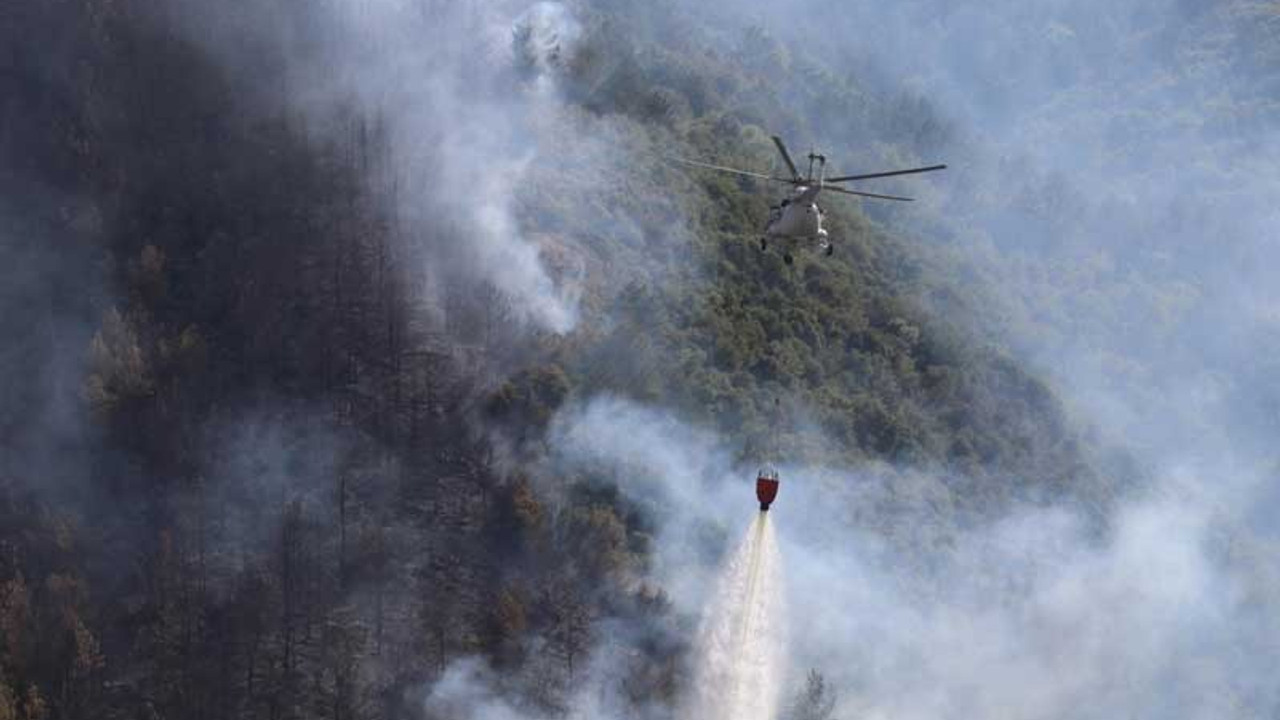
[798, 217]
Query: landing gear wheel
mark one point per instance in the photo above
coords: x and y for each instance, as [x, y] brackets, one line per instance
[764, 244]
[786, 258]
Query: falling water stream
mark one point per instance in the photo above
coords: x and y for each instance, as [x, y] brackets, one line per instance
[739, 652]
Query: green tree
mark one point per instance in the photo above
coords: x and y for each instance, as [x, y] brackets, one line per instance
[815, 701]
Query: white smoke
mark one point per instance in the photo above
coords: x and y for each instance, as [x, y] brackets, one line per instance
[911, 615]
[439, 82]
[466, 690]
[464, 141]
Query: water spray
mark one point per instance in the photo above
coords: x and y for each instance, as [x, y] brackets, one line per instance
[740, 648]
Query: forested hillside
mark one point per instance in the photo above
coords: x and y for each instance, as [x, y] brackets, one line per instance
[271, 446]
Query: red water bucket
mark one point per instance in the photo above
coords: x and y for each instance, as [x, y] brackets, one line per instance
[766, 486]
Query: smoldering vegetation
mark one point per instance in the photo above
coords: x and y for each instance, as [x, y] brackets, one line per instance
[365, 360]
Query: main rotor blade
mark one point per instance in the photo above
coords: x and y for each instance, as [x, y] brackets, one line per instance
[891, 173]
[828, 188]
[735, 171]
[786, 158]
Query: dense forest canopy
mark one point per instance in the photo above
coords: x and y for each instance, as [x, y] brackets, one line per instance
[370, 360]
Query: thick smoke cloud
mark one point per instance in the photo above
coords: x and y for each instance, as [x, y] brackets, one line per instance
[467, 146]
[1033, 616]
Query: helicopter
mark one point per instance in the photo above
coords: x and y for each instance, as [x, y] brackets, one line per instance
[797, 220]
